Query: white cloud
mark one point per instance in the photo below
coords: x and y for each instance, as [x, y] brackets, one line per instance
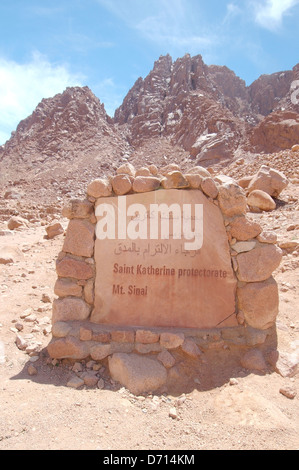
[23, 86]
[270, 13]
[176, 24]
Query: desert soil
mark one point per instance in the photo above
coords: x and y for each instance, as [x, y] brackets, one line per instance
[210, 412]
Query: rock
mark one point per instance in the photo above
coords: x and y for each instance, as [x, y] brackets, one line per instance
[194, 180]
[244, 228]
[267, 237]
[99, 188]
[287, 363]
[100, 351]
[123, 336]
[46, 298]
[174, 180]
[69, 347]
[166, 358]
[143, 171]
[126, 169]
[242, 247]
[232, 199]
[271, 181]
[122, 184]
[53, 230]
[75, 382]
[209, 187]
[67, 287]
[288, 245]
[258, 264]
[171, 340]
[31, 370]
[224, 179]
[70, 309]
[144, 184]
[190, 347]
[138, 374]
[16, 222]
[287, 390]
[89, 292]
[79, 238]
[21, 343]
[258, 199]
[233, 381]
[61, 329]
[101, 384]
[244, 182]
[79, 209]
[254, 360]
[278, 130]
[146, 336]
[70, 267]
[259, 303]
[199, 170]
[90, 379]
[173, 413]
[295, 148]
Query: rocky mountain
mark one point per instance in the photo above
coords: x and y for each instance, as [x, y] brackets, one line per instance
[183, 112]
[209, 111]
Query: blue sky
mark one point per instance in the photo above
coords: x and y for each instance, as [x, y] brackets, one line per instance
[47, 45]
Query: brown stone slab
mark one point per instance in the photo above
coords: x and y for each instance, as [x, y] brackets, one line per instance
[158, 282]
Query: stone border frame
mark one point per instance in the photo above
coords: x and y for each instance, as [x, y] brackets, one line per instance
[254, 257]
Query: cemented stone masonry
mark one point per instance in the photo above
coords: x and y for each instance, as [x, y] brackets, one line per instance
[254, 257]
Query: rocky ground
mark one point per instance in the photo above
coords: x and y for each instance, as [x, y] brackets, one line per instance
[222, 406]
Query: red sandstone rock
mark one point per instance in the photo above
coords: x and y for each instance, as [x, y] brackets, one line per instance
[79, 238]
[258, 264]
[73, 268]
[244, 228]
[70, 309]
[259, 303]
[232, 199]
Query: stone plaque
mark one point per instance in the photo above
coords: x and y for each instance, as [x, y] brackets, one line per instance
[162, 260]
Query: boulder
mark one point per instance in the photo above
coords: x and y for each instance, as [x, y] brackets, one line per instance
[269, 180]
[174, 180]
[260, 200]
[126, 169]
[138, 374]
[122, 184]
[144, 184]
[99, 188]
